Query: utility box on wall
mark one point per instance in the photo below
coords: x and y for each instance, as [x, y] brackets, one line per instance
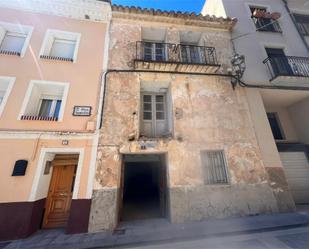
[20, 168]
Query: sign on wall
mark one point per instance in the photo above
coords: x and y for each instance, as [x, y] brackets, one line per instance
[82, 111]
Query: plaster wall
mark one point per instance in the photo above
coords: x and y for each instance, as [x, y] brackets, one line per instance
[207, 114]
[252, 43]
[19, 188]
[301, 121]
[287, 124]
[85, 73]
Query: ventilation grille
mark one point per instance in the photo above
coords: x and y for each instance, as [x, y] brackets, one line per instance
[48, 57]
[41, 118]
[9, 52]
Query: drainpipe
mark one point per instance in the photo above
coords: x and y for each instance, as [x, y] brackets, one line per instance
[241, 83]
[285, 2]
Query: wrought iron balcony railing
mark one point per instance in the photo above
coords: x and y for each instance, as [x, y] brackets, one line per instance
[197, 54]
[266, 24]
[173, 53]
[287, 66]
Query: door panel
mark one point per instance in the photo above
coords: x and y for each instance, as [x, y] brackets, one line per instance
[58, 203]
[296, 167]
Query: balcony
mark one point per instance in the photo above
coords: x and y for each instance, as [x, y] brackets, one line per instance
[288, 70]
[266, 25]
[175, 57]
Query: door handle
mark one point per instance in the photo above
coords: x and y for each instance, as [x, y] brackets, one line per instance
[63, 194]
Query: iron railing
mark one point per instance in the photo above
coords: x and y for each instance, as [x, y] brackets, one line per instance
[287, 66]
[177, 53]
[191, 54]
[266, 24]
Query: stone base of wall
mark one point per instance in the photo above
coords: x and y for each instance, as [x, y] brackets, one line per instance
[195, 203]
[278, 183]
[104, 210]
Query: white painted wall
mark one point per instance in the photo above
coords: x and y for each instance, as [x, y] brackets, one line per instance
[44, 181]
[300, 114]
[252, 43]
[286, 123]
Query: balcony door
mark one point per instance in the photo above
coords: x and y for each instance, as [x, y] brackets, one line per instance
[154, 51]
[190, 53]
[279, 62]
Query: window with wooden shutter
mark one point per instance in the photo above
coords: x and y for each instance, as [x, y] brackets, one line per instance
[154, 111]
[214, 167]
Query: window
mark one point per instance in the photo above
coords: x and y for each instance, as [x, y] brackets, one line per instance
[190, 53]
[263, 23]
[154, 115]
[302, 22]
[275, 126]
[6, 85]
[14, 38]
[279, 61]
[44, 101]
[60, 45]
[50, 107]
[215, 169]
[154, 51]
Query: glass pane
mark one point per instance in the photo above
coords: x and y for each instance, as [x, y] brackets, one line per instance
[13, 43]
[63, 48]
[57, 109]
[147, 107]
[45, 108]
[147, 116]
[160, 98]
[160, 115]
[147, 98]
[160, 107]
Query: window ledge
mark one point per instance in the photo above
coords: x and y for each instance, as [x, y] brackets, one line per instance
[38, 118]
[48, 57]
[9, 52]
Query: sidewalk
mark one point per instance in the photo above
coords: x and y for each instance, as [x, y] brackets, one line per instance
[159, 230]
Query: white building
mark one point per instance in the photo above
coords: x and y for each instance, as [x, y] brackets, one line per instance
[274, 36]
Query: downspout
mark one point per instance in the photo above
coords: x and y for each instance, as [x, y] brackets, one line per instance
[295, 23]
[241, 83]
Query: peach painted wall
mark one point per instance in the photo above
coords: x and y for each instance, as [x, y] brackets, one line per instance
[83, 76]
[18, 188]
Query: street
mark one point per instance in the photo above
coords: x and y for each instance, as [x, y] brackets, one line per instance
[296, 238]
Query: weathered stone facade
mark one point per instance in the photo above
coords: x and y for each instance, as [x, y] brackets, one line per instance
[207, 114]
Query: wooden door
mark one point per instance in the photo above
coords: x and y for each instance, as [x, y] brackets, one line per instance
[58, 203]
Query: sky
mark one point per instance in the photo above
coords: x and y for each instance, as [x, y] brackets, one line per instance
[177, 5]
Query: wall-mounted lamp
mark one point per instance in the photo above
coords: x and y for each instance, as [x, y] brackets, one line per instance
[238, 68]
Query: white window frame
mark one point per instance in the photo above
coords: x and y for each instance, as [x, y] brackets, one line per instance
[7, 91]
[42, 82]
[52, 34]
[19, 29]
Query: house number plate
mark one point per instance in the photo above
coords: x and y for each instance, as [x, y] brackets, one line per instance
[82, 111]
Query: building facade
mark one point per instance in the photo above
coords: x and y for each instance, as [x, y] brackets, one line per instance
[273, 38]
[51, 62]
[177, 141]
